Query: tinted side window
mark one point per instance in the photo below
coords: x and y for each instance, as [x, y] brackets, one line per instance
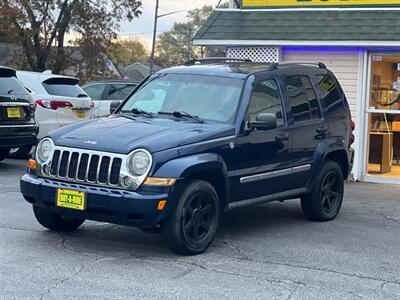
[302, 99]
[266, 99]
[94, 91]
[331, 96]
[119, 91]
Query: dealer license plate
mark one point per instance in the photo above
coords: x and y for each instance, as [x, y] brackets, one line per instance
[71, 199]
[13, 112]
[80, 114]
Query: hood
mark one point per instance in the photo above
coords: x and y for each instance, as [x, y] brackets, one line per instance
[122, 135]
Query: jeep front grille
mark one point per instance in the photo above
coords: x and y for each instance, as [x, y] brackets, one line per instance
[85, 166]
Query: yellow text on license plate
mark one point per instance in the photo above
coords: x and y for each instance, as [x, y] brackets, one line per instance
[13, 112]
[71, 199]
[80, 114]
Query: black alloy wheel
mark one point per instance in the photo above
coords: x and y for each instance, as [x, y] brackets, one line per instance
[193, 222]
[4, 153]
[330, 191]
[200, 216]
[324, 201]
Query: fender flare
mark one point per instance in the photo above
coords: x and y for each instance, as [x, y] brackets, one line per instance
[323, 150]
[187, 166]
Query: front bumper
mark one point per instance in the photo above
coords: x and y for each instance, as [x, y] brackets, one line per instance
[102, 204]
[18, 135]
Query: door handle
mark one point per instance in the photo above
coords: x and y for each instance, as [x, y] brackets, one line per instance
[282, 137]
[322, 129]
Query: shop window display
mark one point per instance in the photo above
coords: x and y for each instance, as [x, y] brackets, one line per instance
[384, 117]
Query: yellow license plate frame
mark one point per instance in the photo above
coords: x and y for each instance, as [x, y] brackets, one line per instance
[80, 114]
[14, 113]
[71, 199]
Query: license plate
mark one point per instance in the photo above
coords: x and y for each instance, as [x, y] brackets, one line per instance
[80, 114]
[13, 112]
[71, 199]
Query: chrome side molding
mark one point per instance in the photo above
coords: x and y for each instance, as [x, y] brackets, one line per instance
[262, 176]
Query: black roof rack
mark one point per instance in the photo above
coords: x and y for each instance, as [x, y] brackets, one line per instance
[213, 60]
[319, 64]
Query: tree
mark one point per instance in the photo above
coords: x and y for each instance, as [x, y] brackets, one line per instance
[175, 46]
[41, 28]
[123, 52]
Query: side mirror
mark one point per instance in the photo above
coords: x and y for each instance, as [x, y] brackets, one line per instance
[114, 105]
[264, 121]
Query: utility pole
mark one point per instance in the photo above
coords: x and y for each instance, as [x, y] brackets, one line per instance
[153, 48]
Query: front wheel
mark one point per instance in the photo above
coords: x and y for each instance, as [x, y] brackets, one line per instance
[192, 226]
[55, 222]
[4, 153]
[325, 200]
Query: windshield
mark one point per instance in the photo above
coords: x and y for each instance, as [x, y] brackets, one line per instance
[208, 97]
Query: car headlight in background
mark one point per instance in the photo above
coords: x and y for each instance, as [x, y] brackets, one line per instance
[139, 162]
[44, 150]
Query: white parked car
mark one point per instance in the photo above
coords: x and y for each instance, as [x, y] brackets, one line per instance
[59, 101]
[105, 92]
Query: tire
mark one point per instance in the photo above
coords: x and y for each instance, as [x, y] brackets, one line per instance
[155, 230]
[324, 202]
[55, 222]
[4, 153]
[21, 152]
[191, 227]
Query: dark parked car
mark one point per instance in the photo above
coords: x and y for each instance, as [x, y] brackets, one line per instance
[104, 93]
[193, 141]
[18, 127]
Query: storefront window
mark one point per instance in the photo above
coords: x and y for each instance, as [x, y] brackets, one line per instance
[384, 117]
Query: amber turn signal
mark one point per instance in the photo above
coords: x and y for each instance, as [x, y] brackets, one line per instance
[32, 164]
[161, 204]
[153, 181]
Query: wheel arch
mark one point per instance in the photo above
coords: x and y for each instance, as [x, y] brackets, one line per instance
[209, 167]
[335, 150]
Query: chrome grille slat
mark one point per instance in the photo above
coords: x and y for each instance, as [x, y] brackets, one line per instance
[59, 163]
[109, 171]
[98, 168]
[79, 165]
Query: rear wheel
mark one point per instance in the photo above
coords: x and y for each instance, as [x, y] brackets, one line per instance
[192, 226]
[4, 153]
[21, 152]
[54, 221]
[325, 200]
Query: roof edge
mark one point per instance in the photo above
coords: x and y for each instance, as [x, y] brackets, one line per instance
[339, 43]
[309, 9]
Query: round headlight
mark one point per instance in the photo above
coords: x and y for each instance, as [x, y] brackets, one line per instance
[44, 150]
[140, 162]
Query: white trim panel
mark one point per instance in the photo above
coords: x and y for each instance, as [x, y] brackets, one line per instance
[221, 42]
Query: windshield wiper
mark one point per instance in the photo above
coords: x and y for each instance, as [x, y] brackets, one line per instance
[126, 116]
[181, 114]
[138, 111]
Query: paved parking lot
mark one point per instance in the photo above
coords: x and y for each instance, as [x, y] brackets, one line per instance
[264, 252]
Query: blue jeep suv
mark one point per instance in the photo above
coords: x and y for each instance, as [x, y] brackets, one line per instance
[193, 141]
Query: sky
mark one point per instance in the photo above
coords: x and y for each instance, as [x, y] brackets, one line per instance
[142, 28]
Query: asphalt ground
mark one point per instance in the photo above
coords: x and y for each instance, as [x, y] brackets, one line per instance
[262, 252]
